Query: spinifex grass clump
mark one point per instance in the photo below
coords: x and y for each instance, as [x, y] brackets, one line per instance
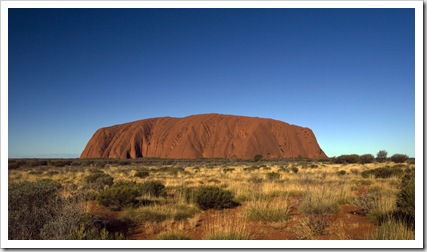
[393, 230]
[318, 204]
[267, 210]
[320, 200]
[227, 227]
[159, 213]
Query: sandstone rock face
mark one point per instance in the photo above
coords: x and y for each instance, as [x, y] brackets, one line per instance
[203, 136]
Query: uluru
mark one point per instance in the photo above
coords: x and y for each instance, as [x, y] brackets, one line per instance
[203, 136]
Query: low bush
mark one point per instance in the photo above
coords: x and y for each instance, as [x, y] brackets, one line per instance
[152, 188]
[13, 165]
[257, 157]
[317, 223]
[341, 173]
[347, 159]
[31, 205]
[213, 197]
[405, 202]
[226, 170]
[294, 169]
[366, 202]
[60, 163]
[119, 195]
[99, 180]
[273, 176]
[36, 162]
[399, 158]
[142, 174]
[366, 159]
[382, 172]
[252, 168]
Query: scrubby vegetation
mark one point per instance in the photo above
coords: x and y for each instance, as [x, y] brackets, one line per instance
[120, 195]
[399, 158]
[212, 198]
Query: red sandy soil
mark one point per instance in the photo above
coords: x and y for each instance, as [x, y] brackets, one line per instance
[347, 224]
[203, 136]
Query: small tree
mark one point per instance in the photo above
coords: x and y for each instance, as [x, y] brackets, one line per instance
[381, 156]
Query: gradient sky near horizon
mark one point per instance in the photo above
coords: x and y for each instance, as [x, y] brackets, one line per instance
[348, 74]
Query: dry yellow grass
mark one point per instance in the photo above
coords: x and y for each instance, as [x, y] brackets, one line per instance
[318, 187]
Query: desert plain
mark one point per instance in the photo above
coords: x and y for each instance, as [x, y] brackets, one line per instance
[206, 199]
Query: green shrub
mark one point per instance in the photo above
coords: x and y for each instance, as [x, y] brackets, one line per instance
[252, 168]
[152, 188]
[341, 173]
[366, 158]
[122, 162]
[93, 227]
[36, 162]
[257, 157]
[213, 197]
[142, 174]
[31, 205]
[60, 163]
[226, 170]
[273, 176]
[405, 201]
[399, 158]
[99, 180]
[295, 169]
[119, 195]
[13, 165]
[100, 163]
[347, 159]
[382, 172]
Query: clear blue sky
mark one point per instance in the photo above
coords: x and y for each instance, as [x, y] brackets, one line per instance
[348, 74]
